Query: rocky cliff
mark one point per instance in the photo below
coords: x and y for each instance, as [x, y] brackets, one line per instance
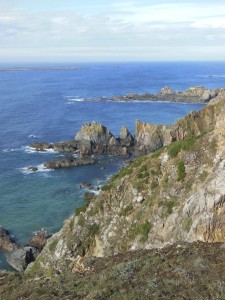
[162, 200]
[176, 193]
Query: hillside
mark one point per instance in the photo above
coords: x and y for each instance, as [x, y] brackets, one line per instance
[164, 200]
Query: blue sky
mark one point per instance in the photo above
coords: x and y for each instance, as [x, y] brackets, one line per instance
[111, 30]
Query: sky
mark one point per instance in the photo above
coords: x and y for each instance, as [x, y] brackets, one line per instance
[111, 30]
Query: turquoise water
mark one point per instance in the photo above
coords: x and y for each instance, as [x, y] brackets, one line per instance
[47, 106]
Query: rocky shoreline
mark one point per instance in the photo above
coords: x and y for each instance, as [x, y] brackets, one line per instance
[19, 256]
[94, 138]
[196, 94]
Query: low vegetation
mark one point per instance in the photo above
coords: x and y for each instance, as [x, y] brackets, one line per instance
[189, 271]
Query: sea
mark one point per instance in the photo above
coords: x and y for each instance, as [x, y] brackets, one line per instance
[48, 102]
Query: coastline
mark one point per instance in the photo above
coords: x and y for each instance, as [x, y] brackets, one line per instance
[195, 94]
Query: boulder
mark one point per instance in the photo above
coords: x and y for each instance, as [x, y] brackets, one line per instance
[21, 257]
[7, 244]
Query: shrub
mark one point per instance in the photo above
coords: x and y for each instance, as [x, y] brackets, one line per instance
[53, 245]
[126, 210]
[170, 205]
[186, 145]
[181, 171]
[143, 230]
[154, 185]
[157, 153]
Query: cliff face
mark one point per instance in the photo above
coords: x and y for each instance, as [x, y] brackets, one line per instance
[176, 193]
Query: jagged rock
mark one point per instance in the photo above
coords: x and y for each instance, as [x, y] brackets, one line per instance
[166, 90]
[113, 142]
[68, 162]
[93, 138]
[7, 244]
[125, 137]
[94, 132]
[20, 258]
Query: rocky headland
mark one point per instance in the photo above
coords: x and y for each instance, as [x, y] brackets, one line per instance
[196, 94]
[157, 228]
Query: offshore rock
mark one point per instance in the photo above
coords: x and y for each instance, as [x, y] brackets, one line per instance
[20, 258]
[93, 137]
[68, 162]
[7, 244]
[43, 146]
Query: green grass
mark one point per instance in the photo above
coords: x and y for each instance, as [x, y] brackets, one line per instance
[143, 230]
[126, 210]
[186, 145]
[81, 209]
[52, 245]
[154, 185]
[181, 171]
[170, 205]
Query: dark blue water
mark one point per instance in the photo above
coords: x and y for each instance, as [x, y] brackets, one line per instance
[45, 104]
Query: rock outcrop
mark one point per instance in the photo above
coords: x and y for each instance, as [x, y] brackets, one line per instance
[194, 94]
[69, 162]
[150, 137]
[125, 138]
[92, 138]
[21, 257]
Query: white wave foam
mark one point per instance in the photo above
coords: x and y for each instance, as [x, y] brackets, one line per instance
[10, 150]
[40, 168]
[29, 149]
[33, 136]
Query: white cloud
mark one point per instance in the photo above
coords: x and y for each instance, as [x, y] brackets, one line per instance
[125, 29]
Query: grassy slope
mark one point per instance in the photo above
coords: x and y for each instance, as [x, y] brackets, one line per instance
[181, 271]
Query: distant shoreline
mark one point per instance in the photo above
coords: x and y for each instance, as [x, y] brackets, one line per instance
[40, 69]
